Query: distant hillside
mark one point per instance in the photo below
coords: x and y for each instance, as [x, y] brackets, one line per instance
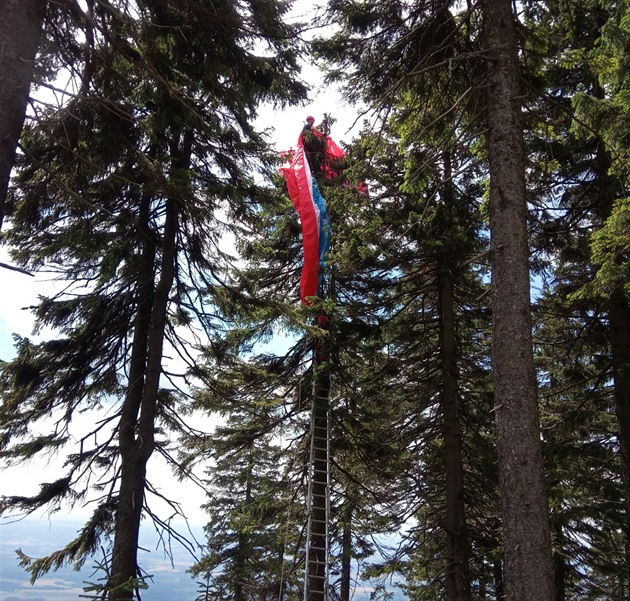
[36, 538]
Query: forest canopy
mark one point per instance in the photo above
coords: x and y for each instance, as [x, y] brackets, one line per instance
[448, 416]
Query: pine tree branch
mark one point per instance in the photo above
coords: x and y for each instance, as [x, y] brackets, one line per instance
[18, 269]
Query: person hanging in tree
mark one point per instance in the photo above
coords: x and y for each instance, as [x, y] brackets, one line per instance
[309, 125]
[314, 145]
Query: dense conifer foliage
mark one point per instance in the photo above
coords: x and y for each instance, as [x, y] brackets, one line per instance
[480, 440]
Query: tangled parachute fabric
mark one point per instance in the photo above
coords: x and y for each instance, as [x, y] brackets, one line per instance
[311, 206]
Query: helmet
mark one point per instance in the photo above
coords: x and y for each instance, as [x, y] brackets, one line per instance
[310, 119]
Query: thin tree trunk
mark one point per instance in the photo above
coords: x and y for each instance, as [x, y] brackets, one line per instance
[20, 33]
[132, 403]
[457, 573]
[499, 586]
[135, 457]
[528, 561]
[559, 565]
[345, 586]
[243, 550]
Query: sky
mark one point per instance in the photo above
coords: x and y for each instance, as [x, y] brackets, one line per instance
[41, 533]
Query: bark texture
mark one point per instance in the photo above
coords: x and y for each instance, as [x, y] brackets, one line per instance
[20, 32]
[528, 561]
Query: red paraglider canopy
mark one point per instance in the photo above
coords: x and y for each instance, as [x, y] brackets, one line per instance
[311, 205]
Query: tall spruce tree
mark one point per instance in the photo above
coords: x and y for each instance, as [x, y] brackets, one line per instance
[253, 527]
[378, 61]
[527, 545]
[119, 192]
[362, 501]
[370, 252]
[573, 65]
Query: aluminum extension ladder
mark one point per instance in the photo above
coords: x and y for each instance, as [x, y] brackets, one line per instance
[318, 503]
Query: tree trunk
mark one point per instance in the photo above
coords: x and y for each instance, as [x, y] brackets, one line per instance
[345, 587]
[242, 552]
[20, 32]
[457, 571]
[134, 457]
[137, 427]
[559, 565]
[128, 512]
[499, 585]
[528, 561]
